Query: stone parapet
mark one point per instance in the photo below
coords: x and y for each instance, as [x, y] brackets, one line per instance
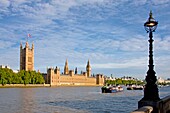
[144, 109]
[161, 106]
[165, 105]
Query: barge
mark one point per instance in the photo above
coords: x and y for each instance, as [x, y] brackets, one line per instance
[111, 89]
[135, 87]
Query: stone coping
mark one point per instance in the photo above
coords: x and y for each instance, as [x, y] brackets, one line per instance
[144, 109]
[23, 85]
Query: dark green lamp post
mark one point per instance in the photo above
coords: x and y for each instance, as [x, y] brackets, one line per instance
[151, 93]
[151, 89]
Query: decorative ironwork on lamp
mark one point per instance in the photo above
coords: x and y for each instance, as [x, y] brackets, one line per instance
[151, 24]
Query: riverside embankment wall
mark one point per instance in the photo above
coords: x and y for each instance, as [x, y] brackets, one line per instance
[23, 85]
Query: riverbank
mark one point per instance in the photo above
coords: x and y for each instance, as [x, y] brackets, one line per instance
[42, 85]
[23, 85]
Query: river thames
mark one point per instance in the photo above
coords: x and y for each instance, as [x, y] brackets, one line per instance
[70, 100]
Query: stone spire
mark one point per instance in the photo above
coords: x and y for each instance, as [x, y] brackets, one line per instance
[88, 69]
[26, 45]
[66, 70]
[76, 71]
[21, 45]
[33, 45]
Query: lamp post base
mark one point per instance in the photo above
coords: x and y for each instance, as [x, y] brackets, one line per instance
[155, 104]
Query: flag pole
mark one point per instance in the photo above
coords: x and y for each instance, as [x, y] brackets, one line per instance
[27, 39]
[28, 36]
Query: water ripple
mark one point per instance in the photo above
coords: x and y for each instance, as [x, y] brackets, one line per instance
[69, 100]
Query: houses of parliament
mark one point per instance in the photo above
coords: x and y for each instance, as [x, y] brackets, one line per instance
[54, 76]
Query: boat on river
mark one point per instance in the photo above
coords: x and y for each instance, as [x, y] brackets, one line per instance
[135, 87]
[111, 89]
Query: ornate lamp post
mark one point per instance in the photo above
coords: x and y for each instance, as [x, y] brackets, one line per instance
[151, 96]
[151, 89]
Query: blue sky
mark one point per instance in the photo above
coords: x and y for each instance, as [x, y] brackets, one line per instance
[109, 33]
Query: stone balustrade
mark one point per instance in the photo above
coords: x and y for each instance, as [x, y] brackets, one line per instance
[161, 106]
[144, 109]
[165, 105]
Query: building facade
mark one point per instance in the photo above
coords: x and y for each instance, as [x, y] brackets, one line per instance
[27, 57]
[54, 78]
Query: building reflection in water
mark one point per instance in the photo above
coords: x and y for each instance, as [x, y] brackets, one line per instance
[27, 102]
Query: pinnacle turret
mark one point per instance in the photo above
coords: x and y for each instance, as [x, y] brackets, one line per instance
[66, 70]
[88, 69]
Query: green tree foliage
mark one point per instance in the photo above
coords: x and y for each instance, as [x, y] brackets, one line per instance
[124, 82]
[118, 81]
[7, 76]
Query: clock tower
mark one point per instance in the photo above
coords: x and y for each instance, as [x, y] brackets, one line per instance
[88, 69]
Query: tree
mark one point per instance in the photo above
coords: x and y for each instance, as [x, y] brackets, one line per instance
[26, 77]
[118, 81]
[39, 79]
[124, 82]
[7, 76]
[3, 80]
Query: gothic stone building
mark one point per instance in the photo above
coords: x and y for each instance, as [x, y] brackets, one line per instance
[54, 78]
[27, 57]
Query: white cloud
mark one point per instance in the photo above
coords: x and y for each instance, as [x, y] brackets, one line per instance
[134, 44]
[128, 63]
[10, 56]
[162, 44]
[17, 3]
[139, 2]
[5, 44]
[163, 27]
[109, 33]
[4, 4]
[160, 2]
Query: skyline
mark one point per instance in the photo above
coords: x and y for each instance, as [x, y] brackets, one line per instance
[109, 33]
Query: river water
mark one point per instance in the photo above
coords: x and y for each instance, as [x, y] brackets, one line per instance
[70, 100]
